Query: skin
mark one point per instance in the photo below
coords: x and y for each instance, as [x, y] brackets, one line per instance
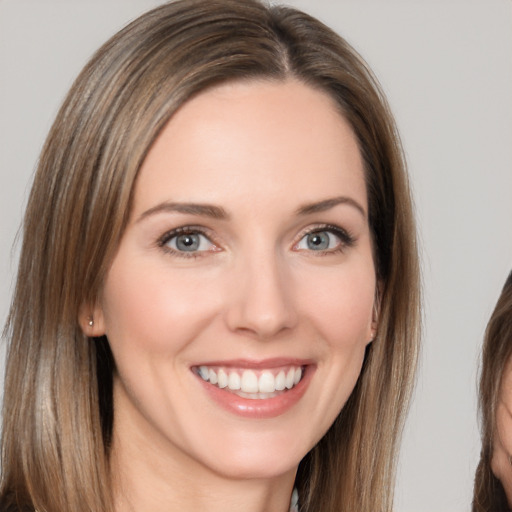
[256, 290]
[501, 459]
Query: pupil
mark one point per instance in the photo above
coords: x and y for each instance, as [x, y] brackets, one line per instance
[318, 241]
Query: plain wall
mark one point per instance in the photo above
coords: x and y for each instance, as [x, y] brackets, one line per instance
[446, 67]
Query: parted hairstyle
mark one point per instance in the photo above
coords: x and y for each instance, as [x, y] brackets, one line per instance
[489, 495]
[58, 411]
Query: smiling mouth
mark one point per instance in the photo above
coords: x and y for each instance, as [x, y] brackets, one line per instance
[252, 384]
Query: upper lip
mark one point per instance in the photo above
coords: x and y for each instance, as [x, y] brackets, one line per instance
[257, 364]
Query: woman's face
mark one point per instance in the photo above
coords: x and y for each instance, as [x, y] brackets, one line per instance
[502, 454]
[246, 263]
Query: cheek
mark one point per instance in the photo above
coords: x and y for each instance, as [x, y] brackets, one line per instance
[340, 308]
[342, 304]
[504, 426]
[152, 308]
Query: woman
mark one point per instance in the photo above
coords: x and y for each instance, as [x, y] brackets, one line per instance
[493, 481]
[218, 295]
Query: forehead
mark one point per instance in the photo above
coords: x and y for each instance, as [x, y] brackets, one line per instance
[259, 139]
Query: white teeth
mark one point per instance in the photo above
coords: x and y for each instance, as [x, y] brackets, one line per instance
[266, 383]
[234, 381]
[280, 381]
[249, 382]
[212, 376]
[223, 379]
[290, 376]
[203, 372]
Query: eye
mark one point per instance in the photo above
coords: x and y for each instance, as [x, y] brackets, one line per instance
[330, 239]
[319, 241]
[187, 241]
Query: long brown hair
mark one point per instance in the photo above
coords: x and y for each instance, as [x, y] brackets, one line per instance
[58, 389]
[489, 495]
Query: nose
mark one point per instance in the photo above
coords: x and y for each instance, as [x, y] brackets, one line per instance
[263, 302]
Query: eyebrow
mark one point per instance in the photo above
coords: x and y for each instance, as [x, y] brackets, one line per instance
[204, 210]
[217, 212]
[327, 204]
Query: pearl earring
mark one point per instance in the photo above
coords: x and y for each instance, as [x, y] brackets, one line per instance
[91, 322]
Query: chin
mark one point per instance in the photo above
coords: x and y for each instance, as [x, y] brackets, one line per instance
[257, 460]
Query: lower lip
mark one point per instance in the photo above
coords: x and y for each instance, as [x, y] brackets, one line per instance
[259, 408]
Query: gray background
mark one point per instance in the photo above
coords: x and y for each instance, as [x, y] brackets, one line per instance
[447, 69]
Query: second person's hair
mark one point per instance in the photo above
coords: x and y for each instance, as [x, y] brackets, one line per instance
[489, 495]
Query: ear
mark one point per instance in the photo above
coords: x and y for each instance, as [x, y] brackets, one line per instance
[375, 314]
[91, 320]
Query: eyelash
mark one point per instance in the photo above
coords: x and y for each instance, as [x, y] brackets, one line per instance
[346, 240]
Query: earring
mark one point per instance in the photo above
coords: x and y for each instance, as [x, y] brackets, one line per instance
[91, 322]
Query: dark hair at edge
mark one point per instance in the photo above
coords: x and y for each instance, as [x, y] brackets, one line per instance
[180, 50]
[489, 495]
